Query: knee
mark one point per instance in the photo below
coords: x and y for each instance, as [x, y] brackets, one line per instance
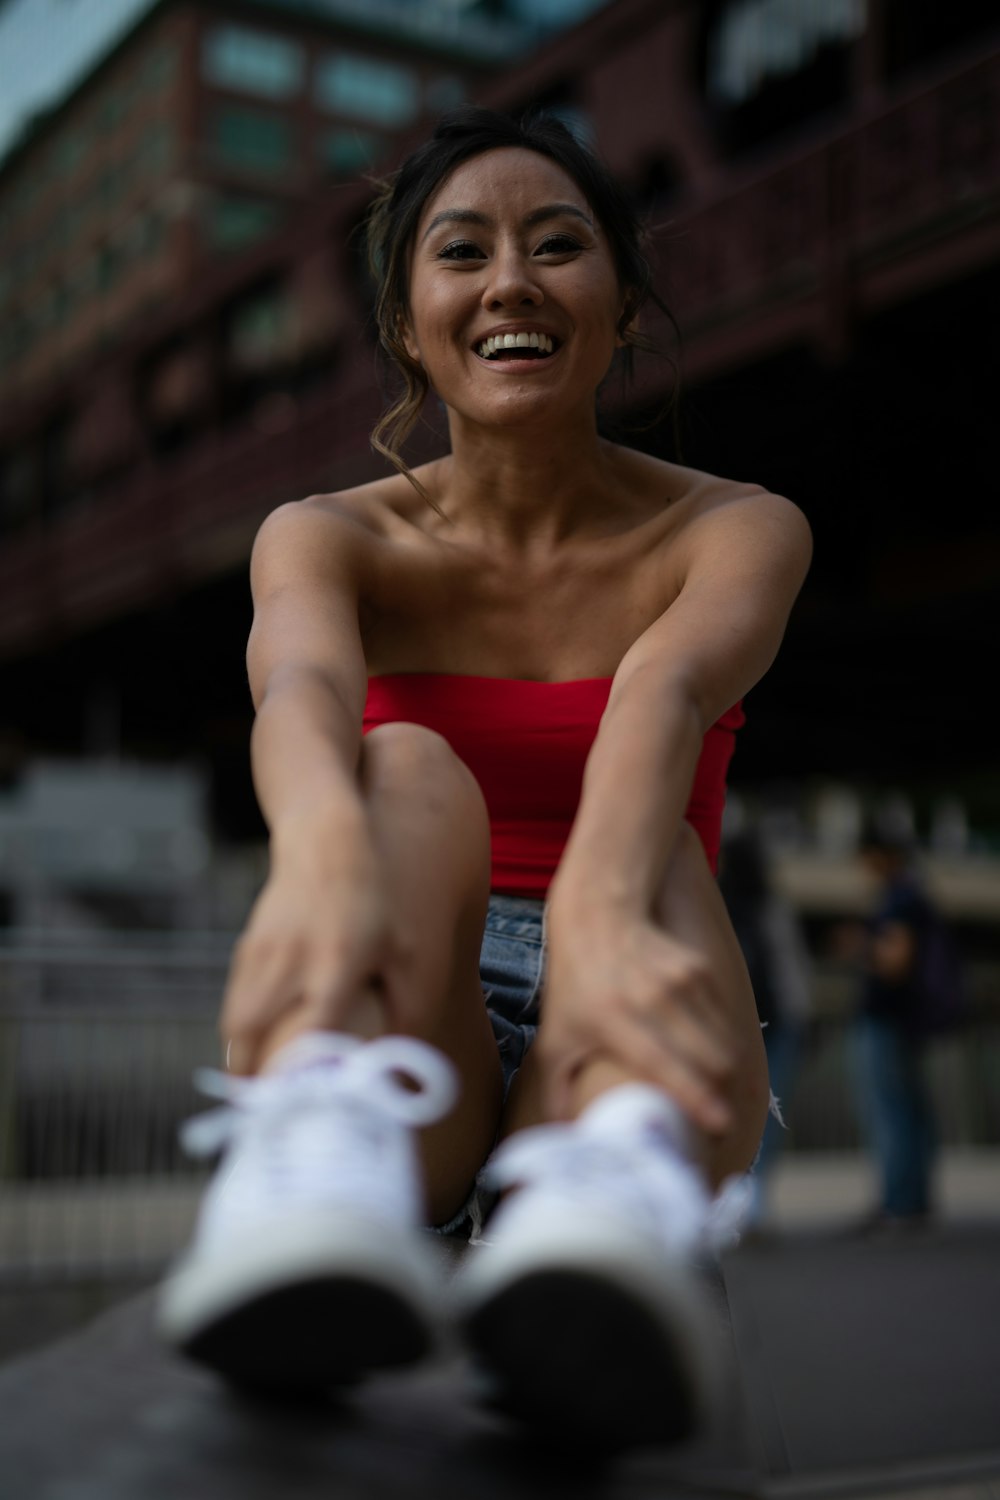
[412, 753]
[407, 746]
[413, 760]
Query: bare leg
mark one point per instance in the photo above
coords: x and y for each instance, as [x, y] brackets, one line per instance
[430, 823]
[692, 907]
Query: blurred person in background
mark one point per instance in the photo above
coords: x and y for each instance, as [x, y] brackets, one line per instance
[770, 936]
[496, 698]
[893, 1027]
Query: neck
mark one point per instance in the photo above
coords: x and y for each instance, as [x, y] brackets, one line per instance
[526, 489]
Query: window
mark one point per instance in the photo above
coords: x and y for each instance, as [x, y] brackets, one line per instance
[26, 194]
[365, 89]
[757, 40]
[235, 222]
[554, 15]
[86, 277]
[262, 331]
[60, 304]
[108, 268]
[347, 152]
[73, 148]
[110, 188]
[18, 483]
[143, 236]
[254, 141]
[443, 93]
[156, 148]
[77, 220]
[768, 66]
[160, 66]
[253, 62]
[47, 312]
[112, 111]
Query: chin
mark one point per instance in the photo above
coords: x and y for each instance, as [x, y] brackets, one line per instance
[526, 405]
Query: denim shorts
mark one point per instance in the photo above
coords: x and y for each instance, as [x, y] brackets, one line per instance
[511, 968]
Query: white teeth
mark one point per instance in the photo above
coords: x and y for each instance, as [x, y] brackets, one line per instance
[498, 341]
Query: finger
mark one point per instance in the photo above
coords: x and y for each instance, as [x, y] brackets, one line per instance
[359, 1008]
[693, 983]
[664, 1066]
[675, 1004]
[560, 1065]
[686, 1034]
[263, 985]
[559, 1093]
[239, 1057]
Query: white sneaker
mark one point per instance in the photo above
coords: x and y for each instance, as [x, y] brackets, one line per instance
[308, 1265]
[585, 1310]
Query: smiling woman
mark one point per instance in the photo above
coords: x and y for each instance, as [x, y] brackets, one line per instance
[496, 701]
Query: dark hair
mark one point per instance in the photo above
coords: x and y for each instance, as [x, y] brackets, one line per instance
[395, 213]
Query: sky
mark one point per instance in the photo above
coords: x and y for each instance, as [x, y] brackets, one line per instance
[45, 45]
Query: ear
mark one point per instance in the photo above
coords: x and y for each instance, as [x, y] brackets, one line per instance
[408, 341]
[631, 328]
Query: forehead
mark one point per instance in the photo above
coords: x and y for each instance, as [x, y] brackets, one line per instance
[510, 177]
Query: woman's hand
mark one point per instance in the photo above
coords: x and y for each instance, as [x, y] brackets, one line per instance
[620, 988]
[318, 943]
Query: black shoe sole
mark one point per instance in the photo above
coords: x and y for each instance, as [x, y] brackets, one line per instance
[311, 1336]
[578, 1359]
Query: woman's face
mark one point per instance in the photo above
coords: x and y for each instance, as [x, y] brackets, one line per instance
[514, 297]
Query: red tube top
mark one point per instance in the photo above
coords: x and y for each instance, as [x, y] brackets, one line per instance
[527, 744]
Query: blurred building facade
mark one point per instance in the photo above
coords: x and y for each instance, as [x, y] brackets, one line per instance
[203, 130]
[821, 182]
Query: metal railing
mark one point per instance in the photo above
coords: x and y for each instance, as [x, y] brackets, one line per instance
[93, 1181]
[167, 971]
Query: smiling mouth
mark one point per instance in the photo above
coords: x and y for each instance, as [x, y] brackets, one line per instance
[521, 346]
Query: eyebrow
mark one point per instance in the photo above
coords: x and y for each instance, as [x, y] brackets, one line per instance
[537, 216]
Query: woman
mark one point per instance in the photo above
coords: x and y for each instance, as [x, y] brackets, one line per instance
[537, 601]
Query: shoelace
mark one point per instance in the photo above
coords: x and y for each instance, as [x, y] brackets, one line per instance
[668, 1197]
[335, 1067]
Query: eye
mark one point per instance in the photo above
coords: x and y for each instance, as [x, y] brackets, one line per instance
[460, 250]
[558, 244]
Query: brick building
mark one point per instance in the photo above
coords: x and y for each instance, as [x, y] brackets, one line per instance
[205, 129]
[821, 184]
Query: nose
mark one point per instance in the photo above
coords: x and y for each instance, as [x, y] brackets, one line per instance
[511, 283]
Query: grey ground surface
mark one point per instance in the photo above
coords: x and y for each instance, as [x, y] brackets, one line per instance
[134, 1421]
[858, 1368]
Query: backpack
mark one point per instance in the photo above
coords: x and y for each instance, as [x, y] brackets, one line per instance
[942, 996]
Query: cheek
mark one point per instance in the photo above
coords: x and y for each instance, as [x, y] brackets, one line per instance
[424, 334]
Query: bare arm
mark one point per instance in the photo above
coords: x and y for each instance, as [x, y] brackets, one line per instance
[306, 668]
[745, 567]
[318, 923]
[618, 981]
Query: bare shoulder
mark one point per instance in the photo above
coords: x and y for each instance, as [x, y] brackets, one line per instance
[727, 516]
[327, 533]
